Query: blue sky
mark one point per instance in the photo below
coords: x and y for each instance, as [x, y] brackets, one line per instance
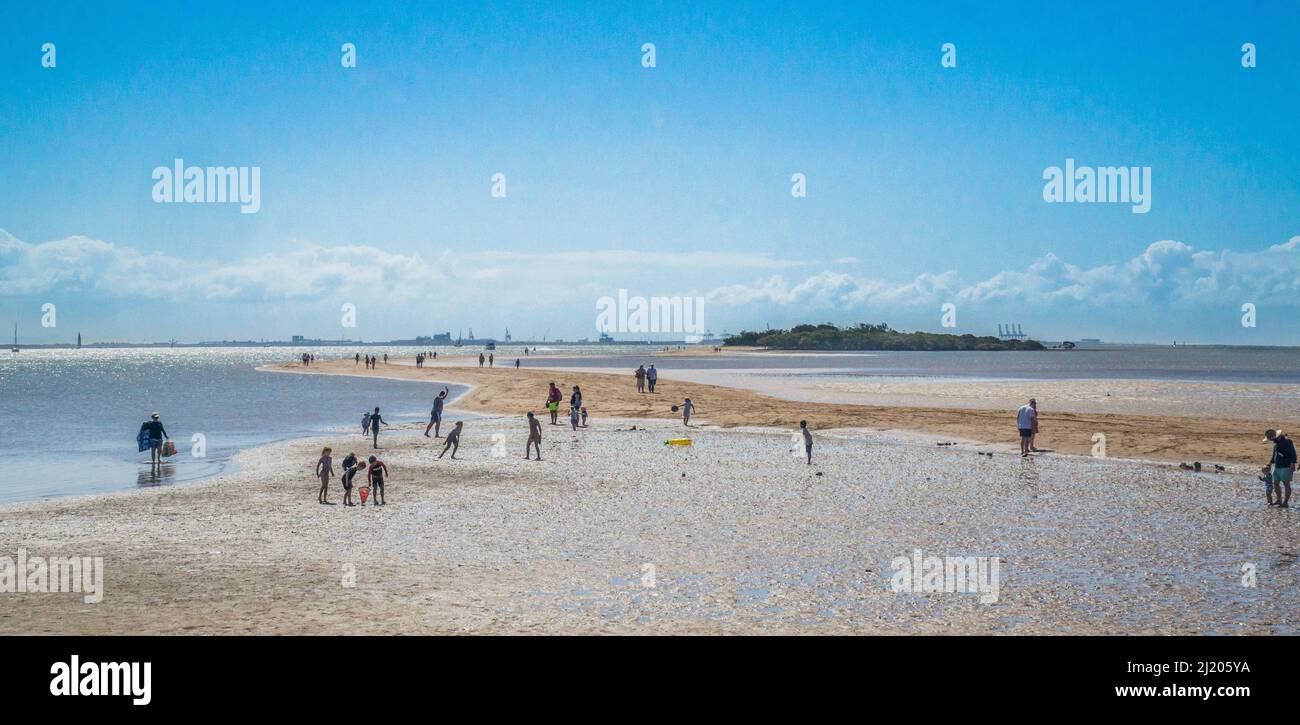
[924, 183]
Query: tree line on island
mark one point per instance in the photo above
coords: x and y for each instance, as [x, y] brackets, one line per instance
[871, 337]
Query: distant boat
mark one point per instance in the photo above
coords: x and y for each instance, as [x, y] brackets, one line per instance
[78, 340]
[491, 346]
[459, 340]
[15, 347]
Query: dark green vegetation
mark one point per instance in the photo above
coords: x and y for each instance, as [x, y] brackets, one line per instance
[872, 337]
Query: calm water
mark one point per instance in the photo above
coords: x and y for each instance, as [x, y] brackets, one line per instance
[69, 417]
[75, 413]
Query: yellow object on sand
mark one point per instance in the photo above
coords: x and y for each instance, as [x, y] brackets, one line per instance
[678, 442]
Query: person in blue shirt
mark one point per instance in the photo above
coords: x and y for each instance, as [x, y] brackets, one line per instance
[1284, 465]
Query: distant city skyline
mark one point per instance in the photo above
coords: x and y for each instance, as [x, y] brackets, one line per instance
[511, 164]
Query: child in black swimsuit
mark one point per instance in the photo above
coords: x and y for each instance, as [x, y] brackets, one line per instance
[376, 477]
[453, 440]
[349, 472]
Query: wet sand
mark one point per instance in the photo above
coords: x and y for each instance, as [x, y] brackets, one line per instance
[616, 533]
[1207, 439]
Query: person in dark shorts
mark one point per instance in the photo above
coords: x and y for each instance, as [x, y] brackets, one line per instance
[435, 417]
[453, 440]
[375, 420]
[349, 472]
[375, 475]
[807, 439]
[1027, 424]
[156, 433]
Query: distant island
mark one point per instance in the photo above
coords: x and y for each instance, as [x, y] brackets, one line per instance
[871, 337]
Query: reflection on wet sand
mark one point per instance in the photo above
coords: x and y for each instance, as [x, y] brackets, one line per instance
[156, 475]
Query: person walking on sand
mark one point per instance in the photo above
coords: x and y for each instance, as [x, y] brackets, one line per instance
[480, 359]
[349, 472]
[807, 439]
[553, 398]
[356, 359]
[640, 378]
[153, 431]
[492, 359]
[435, 418]
[375, 475]
[365, 424]
[375, 420]
[516, 363]
[453, 440]
[651, 377]
[325, 469]
[1033, 437]
[1284, 465]
[1026, 422]
[534, 437]
[687, 408]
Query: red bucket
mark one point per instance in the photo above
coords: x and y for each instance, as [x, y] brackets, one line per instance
[365, 493]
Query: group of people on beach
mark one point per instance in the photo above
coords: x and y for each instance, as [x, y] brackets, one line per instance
[646, 378]
[421, 357]
[1276, 475]
[371, 360]
[376, 473]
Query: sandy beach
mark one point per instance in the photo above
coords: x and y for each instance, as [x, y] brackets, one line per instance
[507, 391]
[616, 533]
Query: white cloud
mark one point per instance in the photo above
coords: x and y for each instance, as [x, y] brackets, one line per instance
[1166, 272]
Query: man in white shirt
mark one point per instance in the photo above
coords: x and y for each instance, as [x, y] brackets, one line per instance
[1027, 422]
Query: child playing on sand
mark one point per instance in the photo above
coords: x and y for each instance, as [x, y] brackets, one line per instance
[534, 437]
[453, 440]
[365, 424]
[687, 408]
[807, 439]
[584, 416]
[1266, 478]
[324, 469]
[376, 478]
[349, 472]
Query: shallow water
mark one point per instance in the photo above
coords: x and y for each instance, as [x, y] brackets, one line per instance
[70, 417]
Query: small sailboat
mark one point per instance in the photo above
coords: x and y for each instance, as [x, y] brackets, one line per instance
[15, 347]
